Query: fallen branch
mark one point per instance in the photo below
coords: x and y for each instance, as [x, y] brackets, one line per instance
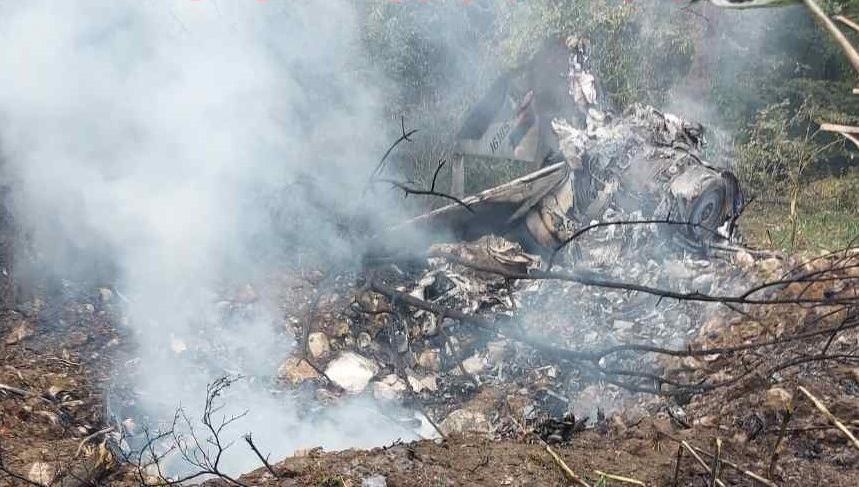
[17, 391]
[747, 473]
[591, 279]
[701, 461]
[717, 463]
[831, 417]
[677, 464]
[249, 440]
[833, 30]
[787, 415]
[833, 127]
[845, 130]
[619, 478]
[571, 476]
[849, 23]
[89, 438]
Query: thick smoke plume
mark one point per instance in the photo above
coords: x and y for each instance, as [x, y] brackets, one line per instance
[164, 141]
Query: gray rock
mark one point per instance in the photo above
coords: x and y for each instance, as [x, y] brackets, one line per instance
[621, 325]
[105, 294]
[318, 344]
[422, 382]
[374, 481]
[473, 365]
[429, 360]
[465, 421]
[351, 371]
[390, 388]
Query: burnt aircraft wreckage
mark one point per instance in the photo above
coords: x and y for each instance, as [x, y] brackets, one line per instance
[587, 164]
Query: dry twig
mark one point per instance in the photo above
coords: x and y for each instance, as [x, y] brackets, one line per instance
[831, 417]
[619, 478]
[701, 462]
[747, 473]
[571, 476]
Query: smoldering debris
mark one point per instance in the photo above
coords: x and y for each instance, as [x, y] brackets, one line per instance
[455, 371]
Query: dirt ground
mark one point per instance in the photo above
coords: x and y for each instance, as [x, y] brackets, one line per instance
[57, 356]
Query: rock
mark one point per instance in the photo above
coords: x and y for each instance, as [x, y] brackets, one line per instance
[105, 295]
[129, 427]
[374, 481]
[422, 382]
[325, 396]
[351, 371]
[703, 283]
[429, 326]
[712, 328]
[473, 365]
[778, 400]
[307, 452]
[465, 421]
[677, 270]
[496, 351]
[341, 328]
[364, 340]
[23, 330]
[296, 371]
[770, 266]
[429, 359]
[744, 260]
[42, 473]
[705, 421]
[622, 325]
[317, 344]
[390, 388]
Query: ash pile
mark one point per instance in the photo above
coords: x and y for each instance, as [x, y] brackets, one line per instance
[396, 333]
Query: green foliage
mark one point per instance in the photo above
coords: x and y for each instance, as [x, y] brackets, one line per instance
[641, 49]
[781, 147]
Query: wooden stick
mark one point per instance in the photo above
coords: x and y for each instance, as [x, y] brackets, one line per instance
[677, 465]
[16, 391]
[250, 441]
[845, 130]
[839, 37]
[717, 463]
[571, 476]
[831, 417]
[788, 413]
[90, 437]
[618, 478]
[743, 471]
[849, 23]
[834, 127]
[851, 138]
[700, 461]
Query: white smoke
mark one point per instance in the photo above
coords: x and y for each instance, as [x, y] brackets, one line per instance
[154, 137]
